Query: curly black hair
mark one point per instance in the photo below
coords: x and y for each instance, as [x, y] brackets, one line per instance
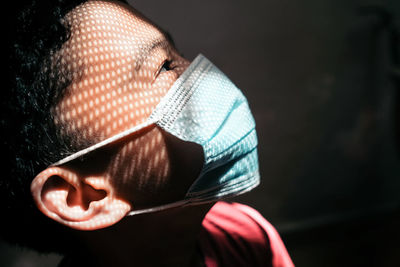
[35, 81]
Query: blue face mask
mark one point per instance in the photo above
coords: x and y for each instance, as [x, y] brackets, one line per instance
[203, 106]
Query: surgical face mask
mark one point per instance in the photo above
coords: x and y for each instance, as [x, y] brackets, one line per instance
[203, 106]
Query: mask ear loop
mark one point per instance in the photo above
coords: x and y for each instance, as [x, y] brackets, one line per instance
[117, 137]
[176, 204]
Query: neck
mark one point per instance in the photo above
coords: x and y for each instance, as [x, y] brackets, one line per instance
[166, 238]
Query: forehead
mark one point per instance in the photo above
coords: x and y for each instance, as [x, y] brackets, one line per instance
[110, 19]
[109, 93]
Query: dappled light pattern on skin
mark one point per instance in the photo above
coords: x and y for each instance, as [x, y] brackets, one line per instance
[121, 67]
[142, 166]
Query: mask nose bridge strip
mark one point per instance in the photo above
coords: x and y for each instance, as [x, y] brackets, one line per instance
[175, 100]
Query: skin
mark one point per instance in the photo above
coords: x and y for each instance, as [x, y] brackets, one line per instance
[122, 65]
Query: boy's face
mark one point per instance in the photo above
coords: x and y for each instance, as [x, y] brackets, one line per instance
[122, 66]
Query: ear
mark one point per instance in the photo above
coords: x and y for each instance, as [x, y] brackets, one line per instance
[87, 203]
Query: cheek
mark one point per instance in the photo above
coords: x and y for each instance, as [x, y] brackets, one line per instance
[128, 108]
[163, 83]
[141, 169]
[101, 110]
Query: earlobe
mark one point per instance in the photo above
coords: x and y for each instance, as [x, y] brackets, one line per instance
[83, 203]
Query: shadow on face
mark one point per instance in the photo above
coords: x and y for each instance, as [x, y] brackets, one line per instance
[122, 65]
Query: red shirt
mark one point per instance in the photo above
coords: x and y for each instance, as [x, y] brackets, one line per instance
[234, 234]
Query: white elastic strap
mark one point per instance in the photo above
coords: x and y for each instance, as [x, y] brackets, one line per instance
[107, 141]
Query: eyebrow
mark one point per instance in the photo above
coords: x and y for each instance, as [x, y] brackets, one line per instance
[156, 43]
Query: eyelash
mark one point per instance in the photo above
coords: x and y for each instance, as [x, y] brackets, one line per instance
[166, 66]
